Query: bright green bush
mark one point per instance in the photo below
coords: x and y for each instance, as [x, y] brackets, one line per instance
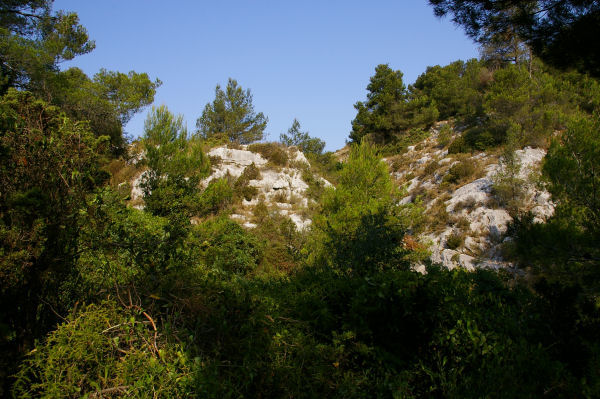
[121, 246]
[360, 224]
[105, 350]
[216, 197]
[176, 165]
[227, 246]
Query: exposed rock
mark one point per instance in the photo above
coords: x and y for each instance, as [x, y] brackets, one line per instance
[483, 224]
[233, 162]
[136, 187]
[280, 188]
[298, 156]
[477, 191]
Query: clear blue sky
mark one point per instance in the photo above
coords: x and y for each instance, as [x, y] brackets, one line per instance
[309, 60]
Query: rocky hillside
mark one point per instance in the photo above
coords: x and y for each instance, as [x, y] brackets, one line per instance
[278, 177]
[469, 198]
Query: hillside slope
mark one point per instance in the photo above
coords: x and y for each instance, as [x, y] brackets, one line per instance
[469, 198]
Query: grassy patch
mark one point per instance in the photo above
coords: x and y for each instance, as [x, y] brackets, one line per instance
[273, 152]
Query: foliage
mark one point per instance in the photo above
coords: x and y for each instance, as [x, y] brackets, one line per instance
[444, 135]
[231, 115]
[176, 164]
[388, 111]
[242, 188]
[456, 89]
[564, 249]
[154, 305]
[273, 152]
[48, 165]
[34, 42]
[572, 166]
[217, 196]
[108, 101]
[454, 240]
[33, 45]
[527, 102]
[302, 140]
[122, 247]
[103, 350]
[508, 187]
[558, 31]
[227, 247]
[19, 16]
[461, 172]
[360, 224]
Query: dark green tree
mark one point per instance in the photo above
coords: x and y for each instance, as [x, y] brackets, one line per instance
[302, 140]
[231, 116]
[573, 167]
[107, 101]
[390, 110]
[457, 88]
[33, 45]
[561, 32]
[387, 93]
[20, 16]
[48, 165]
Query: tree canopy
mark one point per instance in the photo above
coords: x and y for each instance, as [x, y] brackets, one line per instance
[390, 110]
[302, 140]
[563, 33]
[231, 116]
[33, 43]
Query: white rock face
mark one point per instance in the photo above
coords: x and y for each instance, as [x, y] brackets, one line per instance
[529, 158]
[477, 192]
[482, 223]
[280, 188]
[241, 157]
[491, 222]
[233, 162]
[298, 156]
[286, 182]
[136, 187]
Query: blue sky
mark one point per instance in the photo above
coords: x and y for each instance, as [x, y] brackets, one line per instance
[309, 60]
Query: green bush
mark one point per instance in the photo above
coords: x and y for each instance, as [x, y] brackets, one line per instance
[241, 187]
[454, 240]
[105, 350]
[458, 146]
[444, 135]
[216, 197]
[361, 227]
[227, 246]
[460, 172]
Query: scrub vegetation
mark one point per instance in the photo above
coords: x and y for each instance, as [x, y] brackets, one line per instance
[102, 299]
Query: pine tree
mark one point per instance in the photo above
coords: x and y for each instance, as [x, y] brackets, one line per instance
[302, 140]
[231, 116]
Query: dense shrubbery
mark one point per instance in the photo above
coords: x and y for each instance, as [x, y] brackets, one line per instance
[512, 100]
[215, 310]
[100, 299]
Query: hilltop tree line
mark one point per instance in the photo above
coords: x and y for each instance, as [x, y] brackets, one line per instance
[102, 299]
